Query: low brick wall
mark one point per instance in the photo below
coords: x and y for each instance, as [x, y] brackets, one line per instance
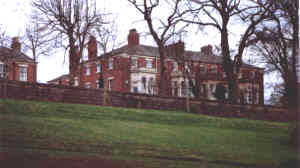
[65, 94]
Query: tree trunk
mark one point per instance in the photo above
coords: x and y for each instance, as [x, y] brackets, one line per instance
[163, 88]
[228, 66]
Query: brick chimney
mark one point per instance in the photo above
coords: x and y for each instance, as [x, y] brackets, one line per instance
[15, 44]
[133, 37]
[176, 49]
[92, 48]
[207, 50]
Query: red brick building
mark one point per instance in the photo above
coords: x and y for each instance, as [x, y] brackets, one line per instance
[135, 68]
[15, 65]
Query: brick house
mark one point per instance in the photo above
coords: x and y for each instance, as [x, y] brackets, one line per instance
[15, 65]
[135, 68]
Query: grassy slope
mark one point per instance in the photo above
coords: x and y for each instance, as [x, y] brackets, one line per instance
[154, 137]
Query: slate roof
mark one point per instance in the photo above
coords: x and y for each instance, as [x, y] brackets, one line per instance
[59, 78]
[11, 54]
[151, 51]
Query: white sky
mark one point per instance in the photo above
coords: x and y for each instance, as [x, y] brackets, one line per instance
[14, 14]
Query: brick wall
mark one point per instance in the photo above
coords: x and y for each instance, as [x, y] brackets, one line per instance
[66, 94]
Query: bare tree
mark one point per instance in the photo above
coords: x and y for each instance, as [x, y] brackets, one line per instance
[37, 41]
[71, 21]
[278, 45]
[161, 30]
[4, 39]
[219, 14]
[107, 35]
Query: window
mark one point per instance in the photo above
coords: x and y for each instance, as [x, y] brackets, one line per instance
[135, 90]
[149, 63]
[97, 83]
[202, 69]
[88, 70]
[212, 88]
[99, 68]
[134, 62]
[110, 63]
[110, 84]
[144, 81]
[252, 74]
[76, 81]
[175, 66]
[23, 73]
[175, 88]
[1, 70]
[250, 96]
[88, 85]
[186, 67]
[213, 70]
[151, 85]
[240, 75]
[183, 89]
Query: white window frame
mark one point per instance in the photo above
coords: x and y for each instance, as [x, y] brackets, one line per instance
[2, 73]
[76, 82]
[134, 62]
[110, 83]
[99, 67]
[149, 63]
[110, 63]
[88, 85]
[23, 75]
[175, 66]
[240, 75]
[186, 67]
[87, 70]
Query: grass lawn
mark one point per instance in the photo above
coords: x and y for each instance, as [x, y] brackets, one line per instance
[148, 137]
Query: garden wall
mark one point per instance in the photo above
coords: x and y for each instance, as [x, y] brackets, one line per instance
[66, 94]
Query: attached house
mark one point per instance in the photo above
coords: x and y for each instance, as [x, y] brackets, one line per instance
[135, 68]
[15, 65]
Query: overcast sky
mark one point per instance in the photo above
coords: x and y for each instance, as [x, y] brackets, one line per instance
[14, 14]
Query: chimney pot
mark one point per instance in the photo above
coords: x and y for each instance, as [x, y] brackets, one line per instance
[207, 50]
